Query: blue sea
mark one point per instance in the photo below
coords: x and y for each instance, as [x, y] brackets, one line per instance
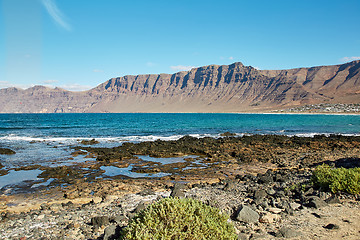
[46, 139]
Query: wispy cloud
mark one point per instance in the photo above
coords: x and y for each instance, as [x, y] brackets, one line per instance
[50, 81]
[76, 87]
[56, 14]
[181, 68]
[227, 58]
[6, 84]
[348, 59]
[151, 64]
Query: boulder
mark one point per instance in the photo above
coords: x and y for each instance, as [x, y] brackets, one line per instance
[287, 232]
[111, 232]
[269, 218]
[316, 202]
[99, 221]
[6, 151]
[247, 215]
[177, 190]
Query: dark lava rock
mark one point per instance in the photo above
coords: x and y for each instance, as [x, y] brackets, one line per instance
[230, 186]
[141, 206]
[333, 200]
[177, 190]
[99, 221]
[6, 151]
[246, 177]
[260, 194]
[266, 178]
[247, 215]
[146, 192]
[89, 142]
[227, 134]
[331, 226]
[316, 202]
[287, 233]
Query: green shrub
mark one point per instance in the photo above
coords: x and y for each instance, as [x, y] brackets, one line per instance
[337, 179]
[173, 218]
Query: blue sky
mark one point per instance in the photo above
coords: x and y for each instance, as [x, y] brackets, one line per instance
[78, 44]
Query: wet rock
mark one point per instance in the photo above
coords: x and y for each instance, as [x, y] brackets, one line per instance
[6, 151]
[287, 232]
[99, 221]
[247, 215]
[227, 134]
[89, 142]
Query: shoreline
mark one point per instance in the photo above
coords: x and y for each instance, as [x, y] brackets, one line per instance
[251, 170]
[193, 158]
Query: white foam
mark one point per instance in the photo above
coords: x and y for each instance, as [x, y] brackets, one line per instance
[105, 140]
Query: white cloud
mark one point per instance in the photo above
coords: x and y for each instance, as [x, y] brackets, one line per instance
[231, 58]
[349, 59]
[257, 68]
[98, 70]
[56, 14]
[181, 68]
[76, 87]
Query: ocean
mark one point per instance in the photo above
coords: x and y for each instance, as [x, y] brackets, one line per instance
[47, 139]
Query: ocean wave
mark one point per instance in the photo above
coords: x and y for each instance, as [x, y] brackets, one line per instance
[139, 138]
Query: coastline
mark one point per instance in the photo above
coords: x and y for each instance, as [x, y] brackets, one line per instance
[236, 168]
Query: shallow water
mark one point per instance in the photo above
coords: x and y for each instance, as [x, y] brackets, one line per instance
[16, 177]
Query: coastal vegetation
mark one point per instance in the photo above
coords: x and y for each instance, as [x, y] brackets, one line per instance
[174, 218]
[337, 179]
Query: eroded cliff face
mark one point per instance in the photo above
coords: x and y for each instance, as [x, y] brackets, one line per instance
[227, 88]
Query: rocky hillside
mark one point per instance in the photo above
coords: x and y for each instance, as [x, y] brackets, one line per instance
[226, 88]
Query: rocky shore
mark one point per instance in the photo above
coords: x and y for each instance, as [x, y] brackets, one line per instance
[262, 182]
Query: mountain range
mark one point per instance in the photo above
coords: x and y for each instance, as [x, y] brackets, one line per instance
[213, 88]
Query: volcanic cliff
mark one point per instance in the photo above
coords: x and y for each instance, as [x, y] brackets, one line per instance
[213, 88]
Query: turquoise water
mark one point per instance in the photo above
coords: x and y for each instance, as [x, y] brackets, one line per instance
[46, 139]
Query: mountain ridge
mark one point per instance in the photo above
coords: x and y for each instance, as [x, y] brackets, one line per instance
[212, 88]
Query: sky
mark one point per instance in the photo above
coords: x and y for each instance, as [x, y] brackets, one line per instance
[79, 44]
